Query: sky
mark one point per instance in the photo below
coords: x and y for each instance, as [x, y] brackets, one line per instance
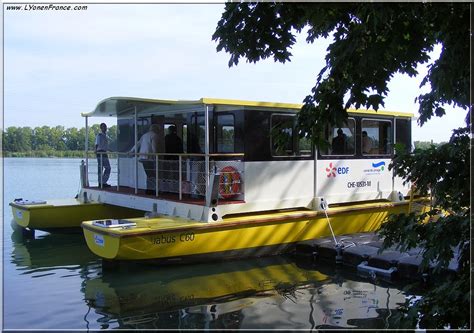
[58, 64]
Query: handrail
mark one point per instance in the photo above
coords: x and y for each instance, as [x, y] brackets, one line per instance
[173, 178]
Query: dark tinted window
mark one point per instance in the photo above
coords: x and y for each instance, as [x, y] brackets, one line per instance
[403, 133]
[341, 139]
[285, 138]
[225, 133]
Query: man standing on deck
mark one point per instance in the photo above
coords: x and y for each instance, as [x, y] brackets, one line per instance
[102, 158]
[147, 146]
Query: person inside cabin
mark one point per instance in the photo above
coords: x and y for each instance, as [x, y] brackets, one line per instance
[103, 164]
[339, 143]
[366, 143]
[197, 164]
[146, 147]
[173, 145]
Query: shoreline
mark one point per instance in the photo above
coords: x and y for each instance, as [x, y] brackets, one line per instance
[45, 154]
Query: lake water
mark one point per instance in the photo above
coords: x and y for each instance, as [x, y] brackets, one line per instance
[55, 282]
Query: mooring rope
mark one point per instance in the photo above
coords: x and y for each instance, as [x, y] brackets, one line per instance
[325, 208]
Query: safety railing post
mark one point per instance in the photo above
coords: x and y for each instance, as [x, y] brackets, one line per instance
[100, 170]
[86, 148]
[180, 178]
[118, 171]
[156, 174]
[136, 151]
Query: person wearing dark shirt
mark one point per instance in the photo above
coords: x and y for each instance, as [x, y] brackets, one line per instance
[173, 143]
[339, 143]
[103, 164]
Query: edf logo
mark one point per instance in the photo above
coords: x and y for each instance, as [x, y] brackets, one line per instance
[332, 171]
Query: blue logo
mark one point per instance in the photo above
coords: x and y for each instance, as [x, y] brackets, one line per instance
[376, 165]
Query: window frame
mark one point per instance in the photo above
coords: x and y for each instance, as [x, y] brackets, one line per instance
[271, 135]
[219, 114]
[355, 142]
[391, 121]
[295, 139]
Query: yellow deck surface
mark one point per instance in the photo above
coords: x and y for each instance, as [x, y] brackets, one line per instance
[166, 237]
[163, 223]
[65, 213]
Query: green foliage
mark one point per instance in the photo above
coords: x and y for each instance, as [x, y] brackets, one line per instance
[55, 141]
[425, 144]
[370, 43]
[443, 172]
[18, 139]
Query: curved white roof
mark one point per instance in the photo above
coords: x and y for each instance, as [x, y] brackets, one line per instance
[116, 106]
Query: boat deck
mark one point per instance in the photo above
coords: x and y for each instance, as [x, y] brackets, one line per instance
[186, 198]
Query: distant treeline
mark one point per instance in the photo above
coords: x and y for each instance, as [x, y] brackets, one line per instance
[48, 141]
[426, 144]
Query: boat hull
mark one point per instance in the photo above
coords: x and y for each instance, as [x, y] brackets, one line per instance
[177, 240]
[65, 214]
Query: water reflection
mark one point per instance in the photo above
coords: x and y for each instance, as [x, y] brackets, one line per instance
[50, 251]
[273, 292]
[265, 293]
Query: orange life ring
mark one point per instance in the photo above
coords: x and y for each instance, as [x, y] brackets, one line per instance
[229, 182]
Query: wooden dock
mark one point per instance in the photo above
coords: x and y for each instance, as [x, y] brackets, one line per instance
[362, 251]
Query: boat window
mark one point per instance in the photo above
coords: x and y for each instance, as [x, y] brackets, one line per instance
[126, 132]
[403, 133]
[225, 133]
[196, 134]
[305, 146]
[282, 135]
[180, 122]
[285, 139]
[341, 139]
[377, 137]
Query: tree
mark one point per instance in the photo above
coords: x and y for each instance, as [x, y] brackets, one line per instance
[41, 138]
[73, 138]
[425, 144]
[56, 138]
[112, 137]
[17, 139]
[93, 130]
[370, 43]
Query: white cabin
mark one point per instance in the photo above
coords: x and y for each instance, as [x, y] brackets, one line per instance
[243, 157]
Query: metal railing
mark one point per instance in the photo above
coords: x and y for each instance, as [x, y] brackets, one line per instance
[181, 174]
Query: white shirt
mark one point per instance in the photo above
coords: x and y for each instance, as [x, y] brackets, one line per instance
[366, 144]
[148, 144]
[101, 142]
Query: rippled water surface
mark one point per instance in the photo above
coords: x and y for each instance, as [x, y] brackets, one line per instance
[54, 282]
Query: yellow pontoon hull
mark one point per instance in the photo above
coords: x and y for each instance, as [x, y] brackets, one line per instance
[169, 238]
[62, 214]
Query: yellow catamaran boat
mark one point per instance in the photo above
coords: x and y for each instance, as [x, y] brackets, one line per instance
[230, 179]
[243, 183]
[63, 215]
